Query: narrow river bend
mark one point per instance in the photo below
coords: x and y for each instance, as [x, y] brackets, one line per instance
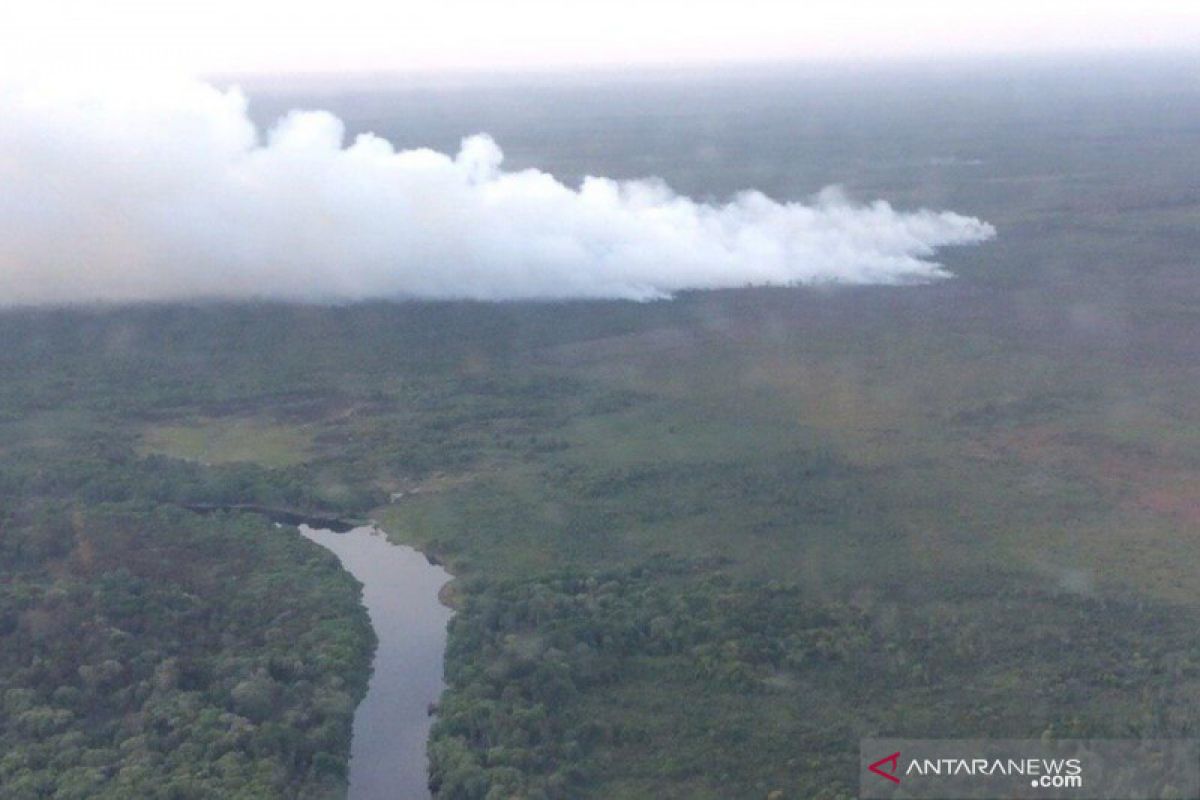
[391, 726]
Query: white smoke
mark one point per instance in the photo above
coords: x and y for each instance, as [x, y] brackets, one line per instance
[153, 192]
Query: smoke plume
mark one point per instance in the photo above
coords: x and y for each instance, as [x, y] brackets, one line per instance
[116, 192]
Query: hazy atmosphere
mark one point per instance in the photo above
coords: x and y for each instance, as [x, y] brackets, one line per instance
[372, 35]
[599, 401]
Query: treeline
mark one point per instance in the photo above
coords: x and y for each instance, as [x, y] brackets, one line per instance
[149, 652]
[102, 466]
[527, 657]
[674, 680]
[160, 361]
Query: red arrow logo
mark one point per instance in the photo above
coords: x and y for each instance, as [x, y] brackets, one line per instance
[894, 760]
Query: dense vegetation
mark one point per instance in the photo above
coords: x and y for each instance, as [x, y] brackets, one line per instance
[673, 680]
[656, 597]
[667, 587]
[150, 652]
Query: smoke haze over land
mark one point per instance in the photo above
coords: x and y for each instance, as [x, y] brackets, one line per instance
[159, 191]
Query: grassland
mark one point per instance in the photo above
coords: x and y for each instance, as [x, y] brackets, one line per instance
[223, 441]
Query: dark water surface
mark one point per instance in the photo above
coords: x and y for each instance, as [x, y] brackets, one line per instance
[391, 725]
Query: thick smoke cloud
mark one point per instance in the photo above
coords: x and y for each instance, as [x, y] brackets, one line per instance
[119, 193]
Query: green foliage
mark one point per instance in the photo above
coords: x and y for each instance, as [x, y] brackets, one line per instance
[150, 652]
[675, 677]
[870, 522]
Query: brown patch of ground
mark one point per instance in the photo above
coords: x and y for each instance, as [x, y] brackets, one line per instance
[1180, 500]
[1147, 479]
[619, 347]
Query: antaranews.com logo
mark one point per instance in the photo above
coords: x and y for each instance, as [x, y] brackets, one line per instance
[1056, 773]
[1101, 769]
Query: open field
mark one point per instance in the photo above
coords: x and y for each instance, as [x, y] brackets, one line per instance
[225, 441]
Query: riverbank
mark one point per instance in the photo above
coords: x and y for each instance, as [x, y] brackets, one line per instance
[284, 516]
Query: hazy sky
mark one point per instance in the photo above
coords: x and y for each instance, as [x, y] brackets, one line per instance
[207, 36]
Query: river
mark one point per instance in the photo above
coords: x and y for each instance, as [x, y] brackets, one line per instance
[391, 725]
